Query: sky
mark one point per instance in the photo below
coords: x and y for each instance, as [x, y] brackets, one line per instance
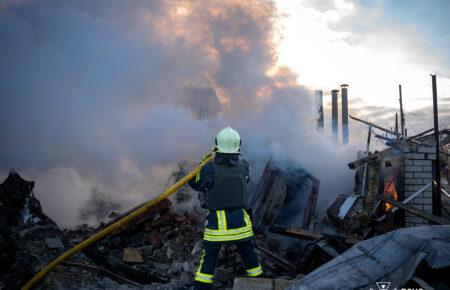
[93, 94]
[373, 46]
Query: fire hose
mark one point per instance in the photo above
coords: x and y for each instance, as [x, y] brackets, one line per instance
[117, 225]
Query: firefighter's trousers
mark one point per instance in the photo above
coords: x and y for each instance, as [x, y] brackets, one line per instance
[210, 250]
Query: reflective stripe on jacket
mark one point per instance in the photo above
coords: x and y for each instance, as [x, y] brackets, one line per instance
[228, 225]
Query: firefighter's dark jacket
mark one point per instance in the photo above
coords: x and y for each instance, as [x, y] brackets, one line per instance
[205, 180]
[224, 223]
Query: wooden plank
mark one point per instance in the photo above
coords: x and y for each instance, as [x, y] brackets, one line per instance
[413, 210]
[297, 233]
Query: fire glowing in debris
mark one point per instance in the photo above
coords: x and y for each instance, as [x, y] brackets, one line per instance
[390, 191]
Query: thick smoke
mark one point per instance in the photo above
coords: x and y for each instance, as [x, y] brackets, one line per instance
[93, 97]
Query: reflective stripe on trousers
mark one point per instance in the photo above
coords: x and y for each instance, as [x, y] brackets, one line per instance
[210, 251]
[223, 234]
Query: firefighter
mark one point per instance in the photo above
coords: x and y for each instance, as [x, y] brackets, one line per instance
[222, 186]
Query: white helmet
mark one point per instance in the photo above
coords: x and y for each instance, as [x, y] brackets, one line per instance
[228, 141]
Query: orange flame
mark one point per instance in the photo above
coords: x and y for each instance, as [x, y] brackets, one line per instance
[390, 191]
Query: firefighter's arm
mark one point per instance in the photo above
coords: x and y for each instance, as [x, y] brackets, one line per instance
[203, 180]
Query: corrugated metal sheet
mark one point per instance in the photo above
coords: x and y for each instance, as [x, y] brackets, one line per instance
[392, 257]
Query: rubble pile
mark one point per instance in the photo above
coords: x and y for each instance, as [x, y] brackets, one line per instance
[160, 250]
[22, 224]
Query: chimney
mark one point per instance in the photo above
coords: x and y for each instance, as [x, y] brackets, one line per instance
[344, 113]
[334, 113]
[319, 101]
[396, 123]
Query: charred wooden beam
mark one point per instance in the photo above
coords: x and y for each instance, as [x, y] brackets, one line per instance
[105, 271]
[164, 205]
[297, 233]
[285, 195]
[309, 235]
[413, 210]
[279, 261]
[372, 157]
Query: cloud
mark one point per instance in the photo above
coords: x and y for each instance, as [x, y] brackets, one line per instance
[371, 45]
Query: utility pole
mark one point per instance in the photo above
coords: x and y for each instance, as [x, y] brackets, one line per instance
[402, 116]
[437, 162]
[363, 188]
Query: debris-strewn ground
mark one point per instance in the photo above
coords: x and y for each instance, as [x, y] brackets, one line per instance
[159, 251]
[161, 248]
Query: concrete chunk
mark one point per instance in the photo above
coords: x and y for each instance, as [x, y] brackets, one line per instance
[197, 248]
[54, 243]
[253, 284]
[280, 284]
[131, 255]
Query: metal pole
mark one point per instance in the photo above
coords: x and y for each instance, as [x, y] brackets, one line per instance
[437, 162]
[363, 189]
[402, 116]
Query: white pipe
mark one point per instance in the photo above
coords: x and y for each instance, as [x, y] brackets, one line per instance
[445, 192]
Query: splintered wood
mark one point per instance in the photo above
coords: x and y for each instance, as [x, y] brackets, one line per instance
[285, 197]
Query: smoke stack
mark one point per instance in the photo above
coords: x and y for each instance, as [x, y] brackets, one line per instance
[344, 113]
[319, 101]
[334, 112]
[396, 123]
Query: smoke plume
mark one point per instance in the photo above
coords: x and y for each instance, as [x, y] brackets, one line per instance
[93, 96]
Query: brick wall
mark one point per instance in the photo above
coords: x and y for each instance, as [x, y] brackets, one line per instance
[418, 172]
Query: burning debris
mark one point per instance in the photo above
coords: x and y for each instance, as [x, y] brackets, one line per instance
[279, 194]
